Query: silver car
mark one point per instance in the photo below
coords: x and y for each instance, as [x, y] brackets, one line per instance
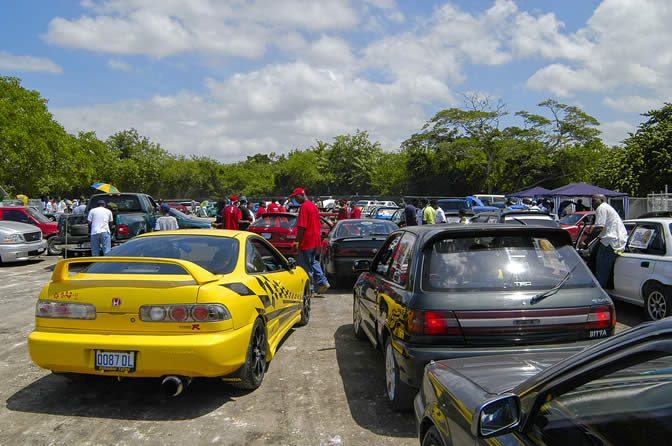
[20, 242]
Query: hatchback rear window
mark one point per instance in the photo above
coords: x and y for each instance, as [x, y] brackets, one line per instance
[363, 228]
[499, 262]
[275, 221]
[215, 254]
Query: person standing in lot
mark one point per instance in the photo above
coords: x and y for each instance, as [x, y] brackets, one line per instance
[79, 210]
[232, 215]
[100, 219]
[343, 213]
[308, 240]
[612, 238]
[440, 215]
[247, 218]
[273, 207]
[355, 211]
[420, 211]
[411, 212]
[166, 222]
[428, 213]
[260, 209]
[281, 208]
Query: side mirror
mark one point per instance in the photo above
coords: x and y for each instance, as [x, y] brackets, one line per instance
[361, 266]
[496, 416]
[291, 262]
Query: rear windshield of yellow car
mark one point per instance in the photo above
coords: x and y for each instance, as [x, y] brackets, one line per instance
[214, 253]
[500, 262]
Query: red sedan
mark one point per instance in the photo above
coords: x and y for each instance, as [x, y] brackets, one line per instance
[279, 228]
[573, 223]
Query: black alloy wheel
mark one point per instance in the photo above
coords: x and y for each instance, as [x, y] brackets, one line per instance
[432, 438]
[52, 249]
[255, 362]
[305, 306]
[656, 302]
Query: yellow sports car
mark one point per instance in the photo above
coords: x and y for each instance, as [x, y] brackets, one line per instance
[172, 304]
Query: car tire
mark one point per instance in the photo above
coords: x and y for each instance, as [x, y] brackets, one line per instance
[657, 302]
[255, 361]
[432, 438]
[305, 307]
[357, 320]
[399, 394]
[52, 250]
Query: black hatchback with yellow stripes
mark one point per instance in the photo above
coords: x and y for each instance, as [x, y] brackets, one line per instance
[171, 304]
[451, 291]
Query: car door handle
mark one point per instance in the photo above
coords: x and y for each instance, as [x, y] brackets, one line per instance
[644, 264]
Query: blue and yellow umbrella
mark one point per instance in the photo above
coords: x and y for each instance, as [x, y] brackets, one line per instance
[105, 187]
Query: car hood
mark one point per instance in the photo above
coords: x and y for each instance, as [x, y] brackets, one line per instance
[15, 226]
[500, 373]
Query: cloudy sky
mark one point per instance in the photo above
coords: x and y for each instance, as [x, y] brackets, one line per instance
[229, 78]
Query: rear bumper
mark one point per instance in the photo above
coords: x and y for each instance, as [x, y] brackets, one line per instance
[412, 359]
[20, 252]
[342, 266]
[203, 355]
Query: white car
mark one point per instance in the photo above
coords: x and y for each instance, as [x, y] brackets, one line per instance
[643, 273]
[20, 242]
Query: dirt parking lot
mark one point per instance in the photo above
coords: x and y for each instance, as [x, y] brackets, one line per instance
[323, 385]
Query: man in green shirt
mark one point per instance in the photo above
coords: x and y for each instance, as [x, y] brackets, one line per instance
[428, 214]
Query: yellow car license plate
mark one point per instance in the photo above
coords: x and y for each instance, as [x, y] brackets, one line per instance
[120, 361]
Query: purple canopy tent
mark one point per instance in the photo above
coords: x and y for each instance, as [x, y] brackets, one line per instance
[537, 191]
[585, 190]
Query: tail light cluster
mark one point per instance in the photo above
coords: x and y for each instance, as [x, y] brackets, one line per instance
[64, 310]
[432, 322]
[601, 316]
[184, 313]
[291, 235]
[122, 229]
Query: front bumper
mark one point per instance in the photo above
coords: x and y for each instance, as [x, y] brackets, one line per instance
[196, 355]
[412, 359]
[20, 252]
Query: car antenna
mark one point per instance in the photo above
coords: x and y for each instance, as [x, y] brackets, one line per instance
[519, 221]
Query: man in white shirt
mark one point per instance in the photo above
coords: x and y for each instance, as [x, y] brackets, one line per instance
[440, 215]
[166, 222]
[100, 219]
[612, 238]
[79, 210]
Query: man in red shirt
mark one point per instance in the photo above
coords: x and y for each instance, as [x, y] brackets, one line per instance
[355, 212]
[309, 240]
[232, 215]
[281, 208]
[260, 210]
[342, 210]
[272, 207]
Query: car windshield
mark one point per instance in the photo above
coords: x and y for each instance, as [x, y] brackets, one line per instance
[37, 215]
[214, 253]
[498, 262]
[570, 219]
[122, 203]
[385, 212]
[532, 220]
[363, 228]
[275, 221]
[452, 205]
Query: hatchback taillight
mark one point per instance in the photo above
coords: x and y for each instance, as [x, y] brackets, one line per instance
[184, 313]
[64, 310]
[432, 322]
[601, 316]
[122, 229]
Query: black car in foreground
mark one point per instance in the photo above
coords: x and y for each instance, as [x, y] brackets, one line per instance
[453, 291]
[617, 392]
[350, 241]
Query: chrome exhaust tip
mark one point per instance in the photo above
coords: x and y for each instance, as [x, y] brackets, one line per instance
[174, 385]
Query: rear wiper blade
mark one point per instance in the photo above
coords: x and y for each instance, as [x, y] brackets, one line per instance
[519, 221]
[541, 296]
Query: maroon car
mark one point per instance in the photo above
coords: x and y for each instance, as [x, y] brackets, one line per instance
[573, 223]
[279, 228]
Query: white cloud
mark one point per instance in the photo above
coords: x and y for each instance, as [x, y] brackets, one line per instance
[11, 62]
[629, 104]
[161, 28]
[615, 132]
[118, 64]
[625, 44]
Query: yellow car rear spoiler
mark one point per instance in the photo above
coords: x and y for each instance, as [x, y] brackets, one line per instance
[199, 274]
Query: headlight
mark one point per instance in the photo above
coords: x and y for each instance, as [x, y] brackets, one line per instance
[64, 310]
[13, 238]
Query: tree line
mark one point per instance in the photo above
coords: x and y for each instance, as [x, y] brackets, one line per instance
[458, 152]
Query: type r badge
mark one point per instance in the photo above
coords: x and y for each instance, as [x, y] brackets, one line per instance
[116, 301]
